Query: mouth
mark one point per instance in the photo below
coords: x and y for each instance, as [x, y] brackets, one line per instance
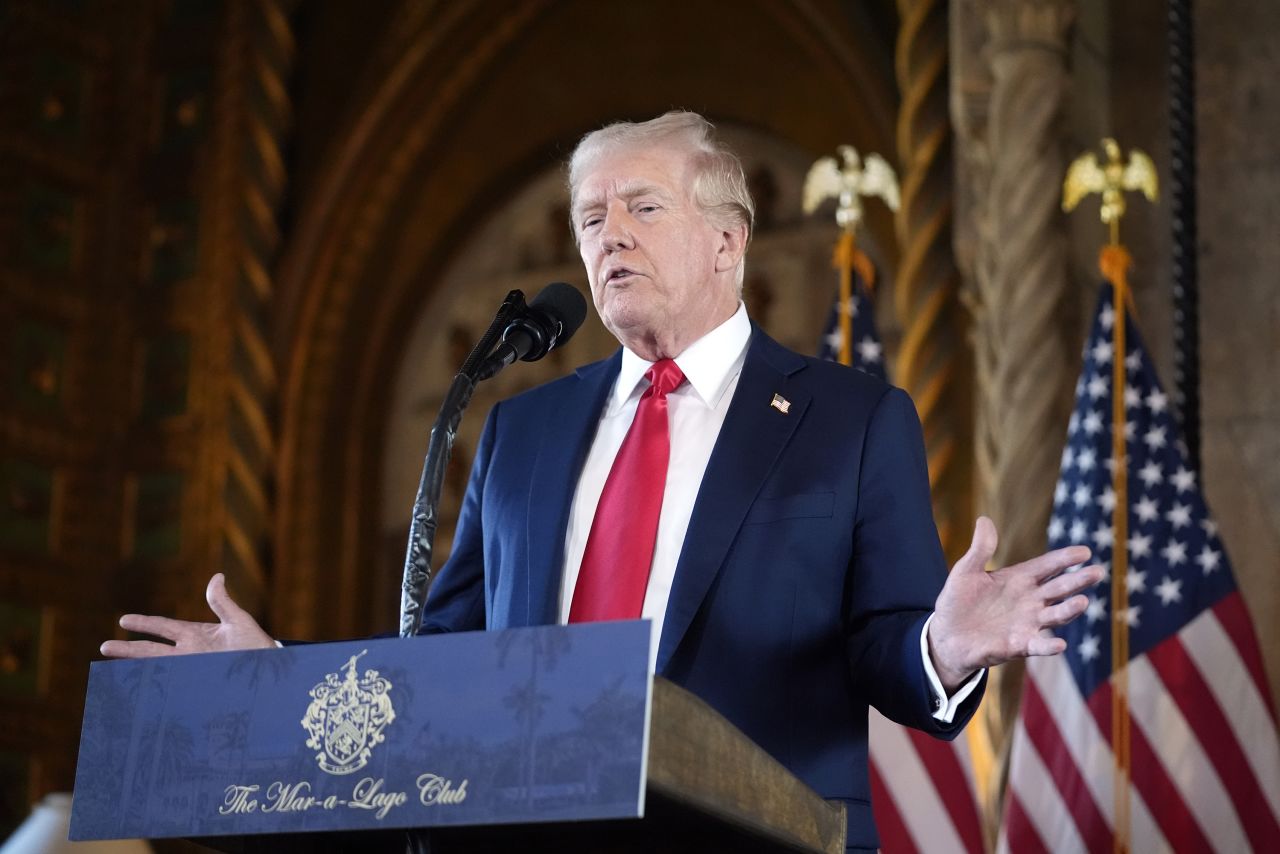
[617, 275]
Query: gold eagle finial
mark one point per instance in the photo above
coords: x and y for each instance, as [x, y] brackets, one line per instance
[848, 183]
[1112, 179]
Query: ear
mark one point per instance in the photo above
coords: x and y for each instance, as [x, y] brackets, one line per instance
[733, 245]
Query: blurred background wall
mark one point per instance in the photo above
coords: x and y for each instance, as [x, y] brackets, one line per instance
[243, 245]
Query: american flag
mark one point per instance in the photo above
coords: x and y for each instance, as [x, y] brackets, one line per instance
[923, 793]
[868, 352]
[1204, 762]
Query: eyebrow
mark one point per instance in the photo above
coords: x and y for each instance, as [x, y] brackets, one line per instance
[628, 190]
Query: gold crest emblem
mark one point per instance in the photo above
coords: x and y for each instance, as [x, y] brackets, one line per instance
[346, 718]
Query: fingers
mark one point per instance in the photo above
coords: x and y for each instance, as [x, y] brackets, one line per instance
[1050, 645]
[1070, 583]
[1063, 612]
[1051, 563]
[220, 601]
[161, 627]
[136, 649]
[985, 540]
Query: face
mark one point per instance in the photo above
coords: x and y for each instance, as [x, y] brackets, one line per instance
[661, 275]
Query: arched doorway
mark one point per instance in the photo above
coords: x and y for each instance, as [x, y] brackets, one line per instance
[470, 106]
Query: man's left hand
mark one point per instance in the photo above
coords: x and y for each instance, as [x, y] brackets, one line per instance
[985, 618]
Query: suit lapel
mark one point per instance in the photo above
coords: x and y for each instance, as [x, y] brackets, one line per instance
[750, 442]
[566, 431]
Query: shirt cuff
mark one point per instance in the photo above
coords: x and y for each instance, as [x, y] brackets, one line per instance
[944, 707]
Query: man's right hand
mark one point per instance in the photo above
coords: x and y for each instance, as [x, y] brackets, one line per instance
[234, 630]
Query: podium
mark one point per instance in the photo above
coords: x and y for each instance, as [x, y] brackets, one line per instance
[555, 738]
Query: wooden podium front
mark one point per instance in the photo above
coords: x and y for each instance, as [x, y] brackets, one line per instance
[710, 789]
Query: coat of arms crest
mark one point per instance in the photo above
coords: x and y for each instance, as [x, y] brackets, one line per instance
[346, 718]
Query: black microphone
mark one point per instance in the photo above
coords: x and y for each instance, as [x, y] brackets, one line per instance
[548, 322]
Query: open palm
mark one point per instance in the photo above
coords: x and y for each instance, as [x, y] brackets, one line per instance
[985, 618]
[235, 630]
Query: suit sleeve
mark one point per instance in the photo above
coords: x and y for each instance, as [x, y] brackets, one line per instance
[456, 600]
[897, 571]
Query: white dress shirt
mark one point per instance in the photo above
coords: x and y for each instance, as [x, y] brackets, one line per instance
[711, 366]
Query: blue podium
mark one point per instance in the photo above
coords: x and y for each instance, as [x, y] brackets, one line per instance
[555, 738]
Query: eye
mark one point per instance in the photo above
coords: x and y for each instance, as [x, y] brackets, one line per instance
[590, 221]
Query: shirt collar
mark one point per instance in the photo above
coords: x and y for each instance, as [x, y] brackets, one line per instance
[708, 363]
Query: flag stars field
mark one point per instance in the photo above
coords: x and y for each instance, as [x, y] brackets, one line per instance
[1139, 546]
[1208, 559]
[1169, 590]
[869, 349]
[1107, 500]
[1208, 775]
[1179, 516]
[1175, 553]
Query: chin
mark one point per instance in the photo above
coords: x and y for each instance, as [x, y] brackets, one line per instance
[625, 314]
[628, 325]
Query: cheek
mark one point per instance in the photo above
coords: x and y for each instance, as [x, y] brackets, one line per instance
[597, 299]
[589, 267]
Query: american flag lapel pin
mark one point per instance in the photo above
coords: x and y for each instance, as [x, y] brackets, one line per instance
[781, 404]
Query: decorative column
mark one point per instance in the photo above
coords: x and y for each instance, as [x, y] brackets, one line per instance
[142, 177]
[1020, 283]
[254, 115]
[934, 359]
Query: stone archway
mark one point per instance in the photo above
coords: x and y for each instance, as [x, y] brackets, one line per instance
[469, 101]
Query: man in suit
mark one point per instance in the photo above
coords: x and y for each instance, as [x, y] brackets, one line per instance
[769, 511]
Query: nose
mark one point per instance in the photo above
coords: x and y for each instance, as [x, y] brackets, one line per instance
[615, 231]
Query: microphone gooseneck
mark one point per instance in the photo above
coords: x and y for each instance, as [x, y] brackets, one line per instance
[518, 331]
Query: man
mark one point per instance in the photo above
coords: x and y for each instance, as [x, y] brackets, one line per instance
[770, 512]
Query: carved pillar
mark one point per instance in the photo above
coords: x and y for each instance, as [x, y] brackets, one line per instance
[934, 360]
[254, 116]
[1013, 162]
[140, 179]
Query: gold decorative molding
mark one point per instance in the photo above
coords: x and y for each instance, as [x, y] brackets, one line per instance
[252, 114]
[934, 361]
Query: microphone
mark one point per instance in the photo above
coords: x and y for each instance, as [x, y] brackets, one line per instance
[548, 322]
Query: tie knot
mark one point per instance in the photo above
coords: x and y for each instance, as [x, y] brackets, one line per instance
[664, 376]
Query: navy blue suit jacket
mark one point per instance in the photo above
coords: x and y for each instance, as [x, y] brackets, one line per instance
[809, 568]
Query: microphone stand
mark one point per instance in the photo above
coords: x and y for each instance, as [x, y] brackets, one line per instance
[422, 529]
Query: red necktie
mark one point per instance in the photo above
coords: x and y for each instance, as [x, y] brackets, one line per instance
[615, 566]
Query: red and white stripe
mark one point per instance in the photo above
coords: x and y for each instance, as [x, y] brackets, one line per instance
[1205, 754]
[922, 791]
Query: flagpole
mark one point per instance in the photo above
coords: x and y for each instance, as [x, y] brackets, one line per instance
[843, 261]
[848, 181]
[849, 259]
[1114, 262]
[1112, 179]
